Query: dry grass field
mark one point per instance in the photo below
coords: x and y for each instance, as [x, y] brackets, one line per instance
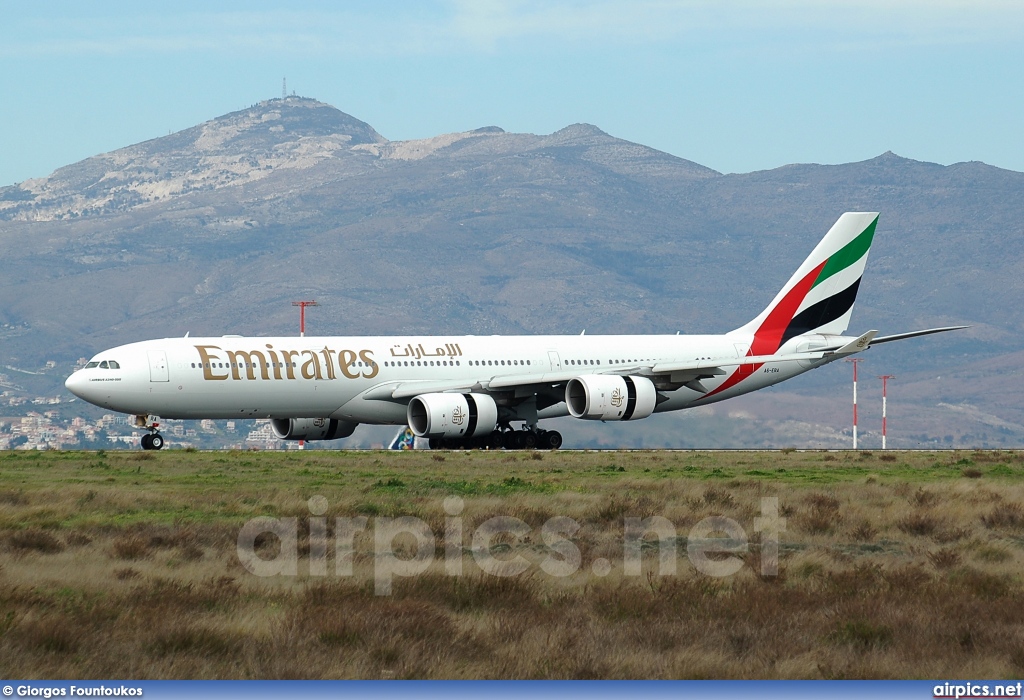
[891, 565]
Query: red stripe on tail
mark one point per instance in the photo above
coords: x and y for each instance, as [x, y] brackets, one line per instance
[768, 336]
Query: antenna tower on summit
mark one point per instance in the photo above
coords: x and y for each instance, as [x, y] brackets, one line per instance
[284, 88]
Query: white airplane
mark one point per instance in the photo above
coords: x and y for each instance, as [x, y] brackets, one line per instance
[467, 391]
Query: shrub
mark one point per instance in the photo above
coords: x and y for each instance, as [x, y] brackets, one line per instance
[824, 514]
[35, 541]
[864, 532]
[918, 524]
[13, 498]
[924, 499]
[863, 635]
[77, 539]
[1008, 515]
[131, 547]
[944, 558]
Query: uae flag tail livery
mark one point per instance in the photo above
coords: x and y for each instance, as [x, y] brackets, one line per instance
[817, 299]
[491, 392]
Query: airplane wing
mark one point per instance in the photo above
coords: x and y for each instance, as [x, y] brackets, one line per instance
[683, 373]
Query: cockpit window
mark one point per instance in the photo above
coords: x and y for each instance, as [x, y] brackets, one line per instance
[91, 365]
[113, 365]
[103, 365]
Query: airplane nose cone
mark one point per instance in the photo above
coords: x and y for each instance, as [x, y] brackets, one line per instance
[75, 384]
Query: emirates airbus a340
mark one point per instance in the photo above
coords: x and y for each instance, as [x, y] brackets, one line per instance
[468, 391]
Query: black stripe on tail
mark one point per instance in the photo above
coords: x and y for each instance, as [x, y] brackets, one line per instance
[825, 311]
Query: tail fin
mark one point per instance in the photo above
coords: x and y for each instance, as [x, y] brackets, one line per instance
[819, 296]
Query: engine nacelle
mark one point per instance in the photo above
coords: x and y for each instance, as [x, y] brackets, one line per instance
[610, 397]
[311, 428]
[452, 415]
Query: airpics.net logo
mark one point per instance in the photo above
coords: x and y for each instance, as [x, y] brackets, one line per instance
[407, 546]
[966, 691]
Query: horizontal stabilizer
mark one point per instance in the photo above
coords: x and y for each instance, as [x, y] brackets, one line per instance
[914, 334]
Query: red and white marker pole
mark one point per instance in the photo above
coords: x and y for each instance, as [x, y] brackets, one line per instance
[854, 361]
[302, 314]
[885, 378]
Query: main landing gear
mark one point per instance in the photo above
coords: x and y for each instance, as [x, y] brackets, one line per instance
[535, 439]
[153, 440]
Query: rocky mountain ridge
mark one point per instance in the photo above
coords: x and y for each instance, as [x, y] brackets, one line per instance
[273, 136]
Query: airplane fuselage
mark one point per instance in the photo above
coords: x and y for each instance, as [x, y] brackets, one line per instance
[354, 378]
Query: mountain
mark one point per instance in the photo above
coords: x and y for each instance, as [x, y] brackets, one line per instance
[235, 149]
[217, 228]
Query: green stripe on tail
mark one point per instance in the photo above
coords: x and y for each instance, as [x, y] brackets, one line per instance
[848, 254]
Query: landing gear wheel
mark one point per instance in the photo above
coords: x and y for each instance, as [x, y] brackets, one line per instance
[528, 440]
[496, 440]
[156, 441]
[147, 442]
[551, 440]
[434, 443]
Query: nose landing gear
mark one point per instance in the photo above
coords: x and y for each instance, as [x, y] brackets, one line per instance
[154, 440]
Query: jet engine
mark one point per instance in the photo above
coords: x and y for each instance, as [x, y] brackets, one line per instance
[610, 397]
[311, 428]
[452, 415]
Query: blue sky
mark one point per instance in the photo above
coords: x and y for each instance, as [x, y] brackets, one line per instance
[737, 86]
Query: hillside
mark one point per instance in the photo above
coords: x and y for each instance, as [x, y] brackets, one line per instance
[217, 228]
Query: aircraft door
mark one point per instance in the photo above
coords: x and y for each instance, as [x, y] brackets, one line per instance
[556, 362]
[158, 366]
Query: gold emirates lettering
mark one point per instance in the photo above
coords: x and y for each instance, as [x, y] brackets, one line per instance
[219, 364]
